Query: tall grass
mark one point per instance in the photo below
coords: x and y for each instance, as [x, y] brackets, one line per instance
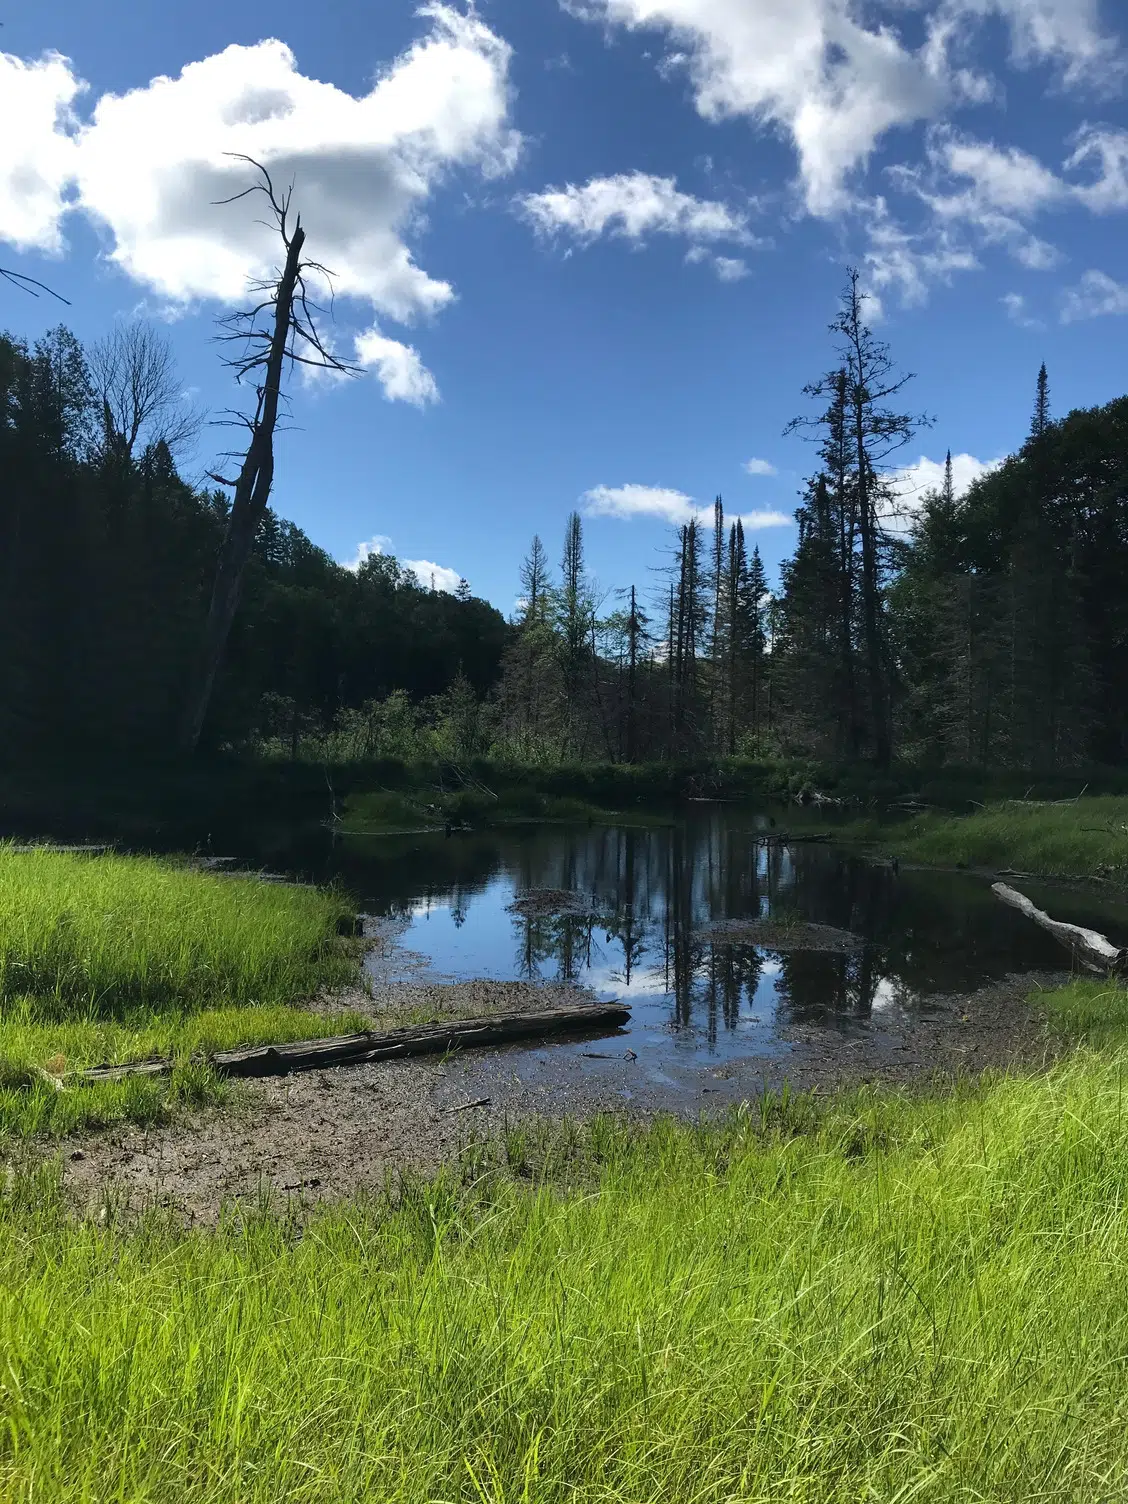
[1088, 838]
[107, 931]
[885, 1299]
[108, 958]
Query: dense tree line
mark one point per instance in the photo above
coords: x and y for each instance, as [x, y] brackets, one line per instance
[987, 629]
[106, 564]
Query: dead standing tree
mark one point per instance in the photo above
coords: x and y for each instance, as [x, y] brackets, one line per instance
[278, 330]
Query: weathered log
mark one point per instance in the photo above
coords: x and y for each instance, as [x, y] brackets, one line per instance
[785, 838]
[1094, 950]
[358, 1049]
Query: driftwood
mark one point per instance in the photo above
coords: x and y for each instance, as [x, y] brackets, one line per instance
[357, 1049]
[788, 838]
[1094, 950]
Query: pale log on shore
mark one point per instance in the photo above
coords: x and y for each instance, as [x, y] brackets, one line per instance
[357, 1049]
[1094, 950]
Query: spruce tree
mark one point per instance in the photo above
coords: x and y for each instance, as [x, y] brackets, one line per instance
[1041, 419]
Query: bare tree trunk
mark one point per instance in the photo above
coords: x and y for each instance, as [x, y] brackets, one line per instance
[248, 506]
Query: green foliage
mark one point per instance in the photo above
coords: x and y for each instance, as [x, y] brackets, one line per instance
[106, 563]
[1083, 838]
[1096, 1012]
[884, 1297]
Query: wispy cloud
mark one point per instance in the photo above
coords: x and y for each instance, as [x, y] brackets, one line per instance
[759, 467]
[1096, 296]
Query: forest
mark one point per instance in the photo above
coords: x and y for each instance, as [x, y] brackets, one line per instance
[982, 630]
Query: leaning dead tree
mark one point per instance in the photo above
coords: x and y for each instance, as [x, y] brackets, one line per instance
[277, 333]
[1092, 949]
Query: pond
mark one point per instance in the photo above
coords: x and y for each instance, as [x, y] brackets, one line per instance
[647, 898]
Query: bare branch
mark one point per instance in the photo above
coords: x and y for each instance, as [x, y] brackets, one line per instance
[30, 284]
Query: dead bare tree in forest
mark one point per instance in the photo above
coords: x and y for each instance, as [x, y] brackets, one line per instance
[134, 372]
[279, 329]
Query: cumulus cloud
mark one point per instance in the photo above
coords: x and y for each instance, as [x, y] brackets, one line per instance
[759, 467]
[667, 505]
[430, 576]
[380, 544]
[632, 206]
[150, 165]
[908, 486]
[433, 576]
[1095, 296]
[37, 153]
[835, 79]
[402, 373]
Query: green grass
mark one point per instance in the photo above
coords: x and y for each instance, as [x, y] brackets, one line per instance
[108, 931]
[882, 1298]
[109, 959]
[1087, 838]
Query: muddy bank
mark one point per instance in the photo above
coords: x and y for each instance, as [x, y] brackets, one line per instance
[337, 1131]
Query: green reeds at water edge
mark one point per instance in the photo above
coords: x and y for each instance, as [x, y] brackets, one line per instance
[882, 1297]
[110, 931]
[112, 958]
[1085, 837]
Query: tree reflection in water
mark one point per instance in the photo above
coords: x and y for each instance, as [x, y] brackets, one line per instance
[654, 892]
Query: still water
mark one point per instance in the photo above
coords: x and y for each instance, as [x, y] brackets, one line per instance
[650, 894]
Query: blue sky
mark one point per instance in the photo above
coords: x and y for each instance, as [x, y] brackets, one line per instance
[586, 251]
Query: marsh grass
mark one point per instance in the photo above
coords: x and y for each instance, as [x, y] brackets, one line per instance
[109, 931]
[1085, 838]
[879, 1297]
[111, 959]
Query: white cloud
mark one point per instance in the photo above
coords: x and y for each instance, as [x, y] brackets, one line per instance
[37, 154]
[667, 505]
[1065, 32]
[433, 576]
[759, 467]
[402, 374]
[1015, 305]
[1095, 296]
[806, 66]
[837, 79]
[430, 576]
[897, 258]
[908, 485]
[730, 268]
[631, 206]
[151, 164]
[380, 544]
[1107, 150]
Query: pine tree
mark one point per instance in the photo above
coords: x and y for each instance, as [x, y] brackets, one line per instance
[1041, 419]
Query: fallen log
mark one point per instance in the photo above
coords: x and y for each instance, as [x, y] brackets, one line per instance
[786, 838]
[1094, 950]
[358, 1049]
